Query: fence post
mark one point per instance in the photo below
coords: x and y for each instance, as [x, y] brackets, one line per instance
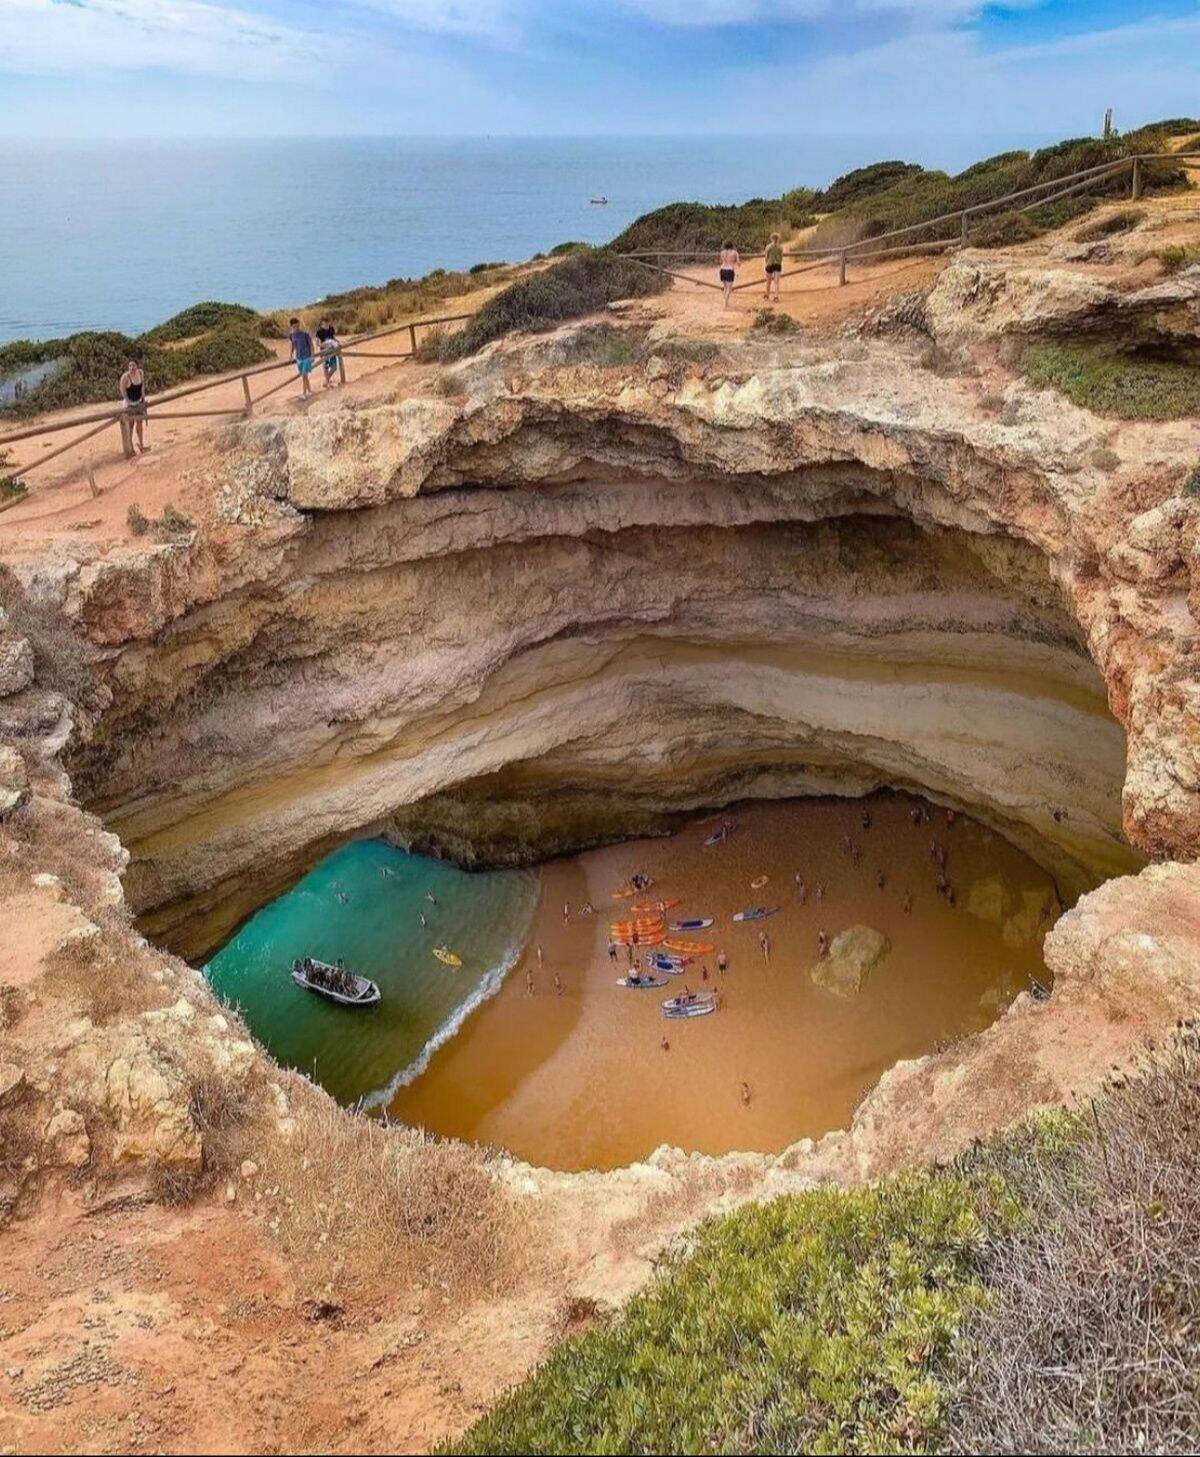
[412, 336]
[964, 227]
[1136, 189]
[249, 396]
[341, 368]
[842, 268]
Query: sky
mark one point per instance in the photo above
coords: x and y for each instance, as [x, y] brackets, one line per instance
[150, 68]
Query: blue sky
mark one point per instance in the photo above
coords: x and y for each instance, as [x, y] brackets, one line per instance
[270, 67]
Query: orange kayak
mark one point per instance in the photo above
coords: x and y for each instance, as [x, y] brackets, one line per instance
[690, 948]
[639, 938]
[656, 908]
[627, 894]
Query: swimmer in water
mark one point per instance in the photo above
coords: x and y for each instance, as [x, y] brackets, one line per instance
[421, 918]
[431, 898]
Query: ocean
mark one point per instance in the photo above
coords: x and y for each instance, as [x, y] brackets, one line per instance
[366, 1054]
[121, 235]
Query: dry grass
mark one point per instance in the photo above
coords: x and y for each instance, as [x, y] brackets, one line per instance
[359, 1201]
[1090, 1339]
[103, 985]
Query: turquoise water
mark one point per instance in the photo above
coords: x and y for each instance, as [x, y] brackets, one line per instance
[361, 1053]
[103, 236]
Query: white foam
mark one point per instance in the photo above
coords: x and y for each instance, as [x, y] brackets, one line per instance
[489, 985]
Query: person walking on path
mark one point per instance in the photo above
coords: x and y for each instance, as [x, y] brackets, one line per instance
[729, 263]
[774, 268]
[133, 393]
[302, 353]
[329, 345]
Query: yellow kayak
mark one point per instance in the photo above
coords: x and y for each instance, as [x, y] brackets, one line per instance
[447, 956]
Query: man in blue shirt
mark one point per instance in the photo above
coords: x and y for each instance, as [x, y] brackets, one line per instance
[302, 352]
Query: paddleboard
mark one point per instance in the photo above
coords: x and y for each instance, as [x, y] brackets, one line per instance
[698, 923]
[646, 981]
[675, 1008]
[756, 913]
[665, 965]
[759, 882]
[447, 956]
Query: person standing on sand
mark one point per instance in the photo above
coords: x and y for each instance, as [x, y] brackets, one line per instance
[612, 951]
[329, 346]
[541, 958]
[729, 263]
[765, 942]
[774, 261]
[722, 962]
[133, 393]
[302, 352]
[529, 980]
[558, 985]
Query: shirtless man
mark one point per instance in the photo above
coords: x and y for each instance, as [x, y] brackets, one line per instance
[729, 263]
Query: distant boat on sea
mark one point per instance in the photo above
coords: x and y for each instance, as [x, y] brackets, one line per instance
[599, 201]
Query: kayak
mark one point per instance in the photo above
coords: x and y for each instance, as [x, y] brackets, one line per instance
[698, 923]
[637, 983]
[718, 837]
[656, 908]
[756, 913]
[690, 948]
[690, 1007]
[447, 956]
[759, 882]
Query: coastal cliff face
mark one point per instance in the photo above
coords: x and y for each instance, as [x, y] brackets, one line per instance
[552, 601]
[471, 619]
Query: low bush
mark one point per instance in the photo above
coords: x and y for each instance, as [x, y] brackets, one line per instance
[1121, 385]
[203, 319]
[1003, 230]
[577, 284]
[701, 228]
[1178, 257]
[1116, 222]
[773, 321]
[1191, 486]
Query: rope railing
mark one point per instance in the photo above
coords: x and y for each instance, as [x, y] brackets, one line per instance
[867, 249]
[101, 420]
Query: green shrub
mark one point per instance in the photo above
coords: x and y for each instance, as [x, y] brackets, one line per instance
[701, 228]
[560, 250]
[477, 268]
[12, 488]
[1191, 486]
[201, 319]
[814, 1323]
[137, 521]
[173, 522]
[577, 284]
[1122, 385]
[1003, 230]
[863, 182]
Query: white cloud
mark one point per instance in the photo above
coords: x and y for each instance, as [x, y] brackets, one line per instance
[191, 36]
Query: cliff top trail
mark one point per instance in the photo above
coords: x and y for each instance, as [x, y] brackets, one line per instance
[576, 587]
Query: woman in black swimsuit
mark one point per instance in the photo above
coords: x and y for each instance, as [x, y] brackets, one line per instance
[133, 392]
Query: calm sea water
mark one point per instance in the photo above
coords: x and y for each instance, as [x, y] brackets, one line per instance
[376, 929]
[121, 235]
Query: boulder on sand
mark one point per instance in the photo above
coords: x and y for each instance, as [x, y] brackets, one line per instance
[853, 955]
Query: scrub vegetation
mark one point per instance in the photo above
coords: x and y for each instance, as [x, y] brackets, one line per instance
[1126, 386]
[577, 284]
[1041, 1294]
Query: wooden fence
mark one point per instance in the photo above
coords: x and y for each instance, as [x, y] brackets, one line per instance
[1054, 189]
[115, 415]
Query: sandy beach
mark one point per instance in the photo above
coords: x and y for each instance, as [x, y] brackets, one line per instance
[582, 1078]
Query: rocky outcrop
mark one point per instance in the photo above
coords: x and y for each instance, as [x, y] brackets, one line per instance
[852, 956]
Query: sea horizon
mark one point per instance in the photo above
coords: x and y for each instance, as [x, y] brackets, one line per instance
[119, 235]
